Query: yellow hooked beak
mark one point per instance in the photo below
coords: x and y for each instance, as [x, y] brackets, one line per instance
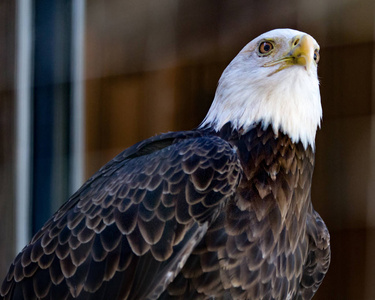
[301, 53]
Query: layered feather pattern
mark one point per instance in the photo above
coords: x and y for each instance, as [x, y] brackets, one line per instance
[141, 214]
[189, 215]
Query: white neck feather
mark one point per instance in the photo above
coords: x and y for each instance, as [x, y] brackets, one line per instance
[289, 100]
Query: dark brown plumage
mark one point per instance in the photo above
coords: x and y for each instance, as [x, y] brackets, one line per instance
[212, 200]
[268, 242]
[201, 214]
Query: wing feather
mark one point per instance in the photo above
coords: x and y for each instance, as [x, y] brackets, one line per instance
[129, 230]
[319, 256]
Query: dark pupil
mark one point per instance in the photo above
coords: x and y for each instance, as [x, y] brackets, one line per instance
[315, 56]
[266, 47]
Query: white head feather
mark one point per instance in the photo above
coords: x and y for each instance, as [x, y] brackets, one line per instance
[257, 88]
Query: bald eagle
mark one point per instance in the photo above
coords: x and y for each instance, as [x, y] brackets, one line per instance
[220, 212]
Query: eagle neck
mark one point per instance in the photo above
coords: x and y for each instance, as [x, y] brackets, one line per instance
[273, 161]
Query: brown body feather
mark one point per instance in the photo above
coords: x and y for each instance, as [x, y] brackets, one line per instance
[189, 215]
[268, 242]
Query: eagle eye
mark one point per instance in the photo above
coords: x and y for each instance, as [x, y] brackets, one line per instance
[265, 47]
[316, 55]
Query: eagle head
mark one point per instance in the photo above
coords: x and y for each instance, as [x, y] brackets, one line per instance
[272, 81]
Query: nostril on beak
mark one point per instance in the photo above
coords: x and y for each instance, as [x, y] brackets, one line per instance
[296, 42]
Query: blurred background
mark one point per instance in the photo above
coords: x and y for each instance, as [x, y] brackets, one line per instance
[82, 80]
